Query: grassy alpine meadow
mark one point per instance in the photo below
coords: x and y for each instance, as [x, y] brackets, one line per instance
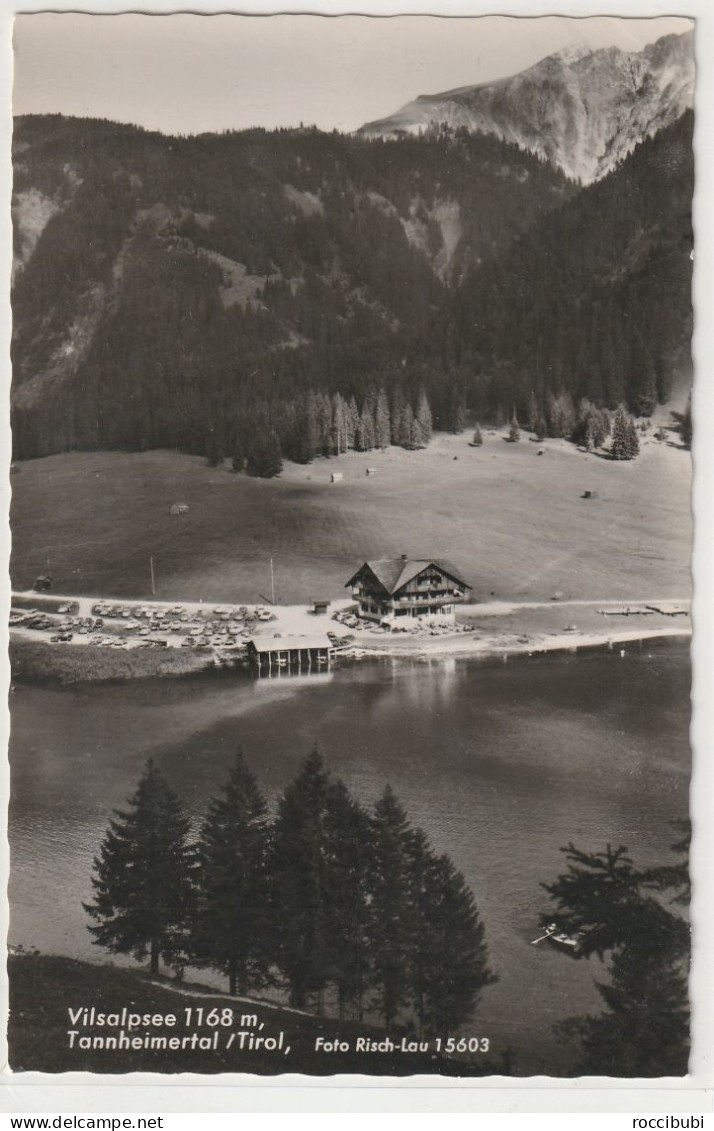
[513, 520]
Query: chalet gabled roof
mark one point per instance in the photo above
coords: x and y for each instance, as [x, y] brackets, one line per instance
[394, 573]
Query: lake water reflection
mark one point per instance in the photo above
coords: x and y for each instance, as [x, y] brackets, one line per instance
[501, 764]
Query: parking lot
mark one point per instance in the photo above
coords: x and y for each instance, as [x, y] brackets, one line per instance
[104, 624]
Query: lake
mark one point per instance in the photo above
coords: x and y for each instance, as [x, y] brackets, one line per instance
[500, 763]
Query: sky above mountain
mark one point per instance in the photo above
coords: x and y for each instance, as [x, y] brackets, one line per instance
[194, 73]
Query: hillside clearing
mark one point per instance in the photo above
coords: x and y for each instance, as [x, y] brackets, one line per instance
[515, 523]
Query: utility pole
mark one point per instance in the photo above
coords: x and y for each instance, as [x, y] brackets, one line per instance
[153, 585]
[272, 583]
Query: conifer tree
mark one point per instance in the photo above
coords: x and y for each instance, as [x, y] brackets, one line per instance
[406, 427]
[684, 421]
[591, 427]
[541, 428]
[456, 415]
[478, 438]
[561, 415]
[323, 417]
[339, 434]
[424, 419]
[397, 413]
[450, 959]
[305, 442]
[567, 414]
[602, 900]
[514, 432]
[555, 417]
[144, 877]
[263, 456]
[348, 849]
[625, 444]
[633, 439]
[533, 411]
[642, 378]
[214, 449]
[417, 438]
[300, 883]
[351, 422]
[231, 930]
[364, 441]
[391, 929]
[382, 422]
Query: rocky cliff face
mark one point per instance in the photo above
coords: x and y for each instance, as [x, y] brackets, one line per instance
[582, 110]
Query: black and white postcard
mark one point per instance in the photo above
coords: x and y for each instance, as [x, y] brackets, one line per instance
[350, 626]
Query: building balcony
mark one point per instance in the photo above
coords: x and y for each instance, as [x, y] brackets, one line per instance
[430, 602]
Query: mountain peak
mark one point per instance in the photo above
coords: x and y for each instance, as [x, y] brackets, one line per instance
[573, 53]
[583, 110]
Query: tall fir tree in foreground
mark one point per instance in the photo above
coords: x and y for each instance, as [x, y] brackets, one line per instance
[603, 900]
[300, 884]
[348, 849]
[392, 922]
[449, 958]
[144, 894]
[231, 930]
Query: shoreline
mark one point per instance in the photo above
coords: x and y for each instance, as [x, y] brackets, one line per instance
[496, 647]
[491, 630]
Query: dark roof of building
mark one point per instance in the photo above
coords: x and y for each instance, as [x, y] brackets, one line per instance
[289, 643]
[394, 573]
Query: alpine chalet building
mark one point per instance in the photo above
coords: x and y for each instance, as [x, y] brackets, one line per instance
[391, 590]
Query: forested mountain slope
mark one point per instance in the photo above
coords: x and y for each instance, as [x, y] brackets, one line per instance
[596, 299]
[192, 292]
[166, 286]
